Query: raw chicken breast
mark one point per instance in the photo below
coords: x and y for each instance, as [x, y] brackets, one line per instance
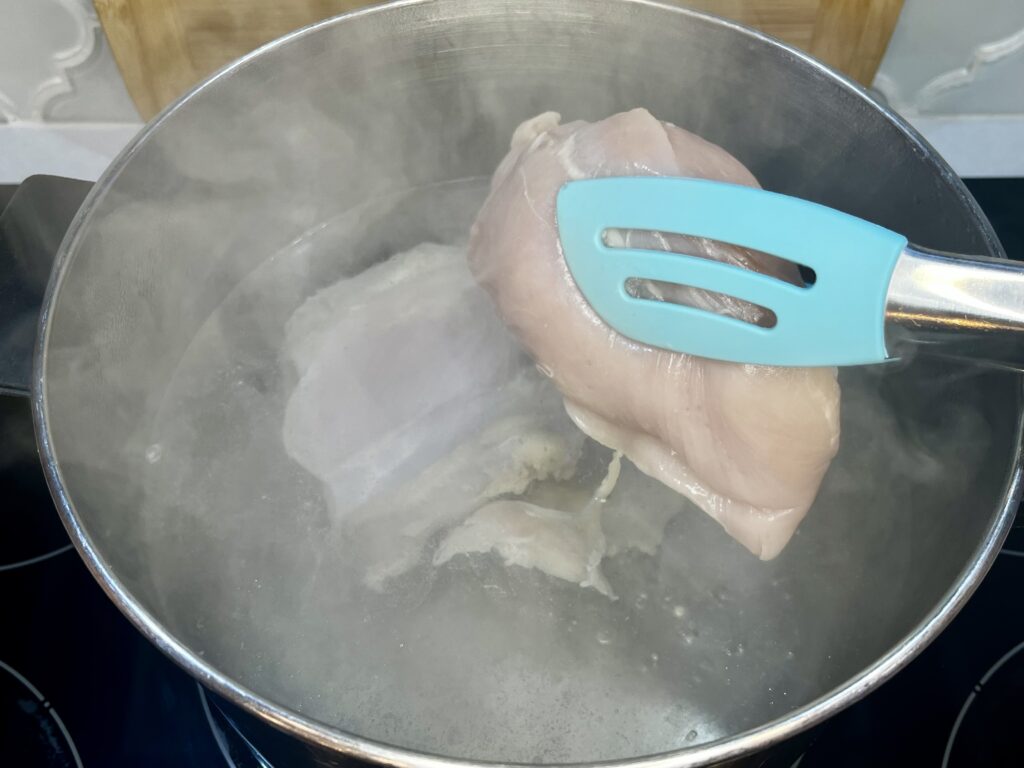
[414, 406]
[430, 428]
[748, 444]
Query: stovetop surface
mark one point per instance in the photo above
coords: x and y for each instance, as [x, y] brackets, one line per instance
[79, 686]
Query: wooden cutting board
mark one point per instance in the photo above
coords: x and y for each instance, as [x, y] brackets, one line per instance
[163, 47]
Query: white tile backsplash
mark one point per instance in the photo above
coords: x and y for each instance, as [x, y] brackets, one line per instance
[955, 68]
[956, 57]
[55, 65]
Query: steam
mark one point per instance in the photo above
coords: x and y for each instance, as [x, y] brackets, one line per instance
[167, 384]
[518, 657]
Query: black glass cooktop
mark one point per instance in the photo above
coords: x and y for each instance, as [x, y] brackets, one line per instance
[80, 687]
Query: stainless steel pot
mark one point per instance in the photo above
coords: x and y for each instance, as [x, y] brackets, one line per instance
[401, 100]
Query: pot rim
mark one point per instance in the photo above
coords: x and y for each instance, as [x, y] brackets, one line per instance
[297, 725]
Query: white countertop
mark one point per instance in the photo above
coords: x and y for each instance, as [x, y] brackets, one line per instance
[75, 150]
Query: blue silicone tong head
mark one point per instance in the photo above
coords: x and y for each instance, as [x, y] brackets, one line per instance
[868, 278]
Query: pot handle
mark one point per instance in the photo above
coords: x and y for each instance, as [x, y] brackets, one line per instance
[32, 226]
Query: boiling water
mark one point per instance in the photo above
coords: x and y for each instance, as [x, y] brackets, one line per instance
[325, 596]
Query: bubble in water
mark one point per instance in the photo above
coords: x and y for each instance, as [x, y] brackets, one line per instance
[654, 658]
[739, 649]
[790, 655]
[691, 735]
[679, 611]
[603, 637]
[154, 452]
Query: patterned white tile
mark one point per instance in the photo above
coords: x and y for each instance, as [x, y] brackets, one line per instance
[55, 64]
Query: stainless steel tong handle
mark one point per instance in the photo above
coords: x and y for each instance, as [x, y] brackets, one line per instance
[966, 307]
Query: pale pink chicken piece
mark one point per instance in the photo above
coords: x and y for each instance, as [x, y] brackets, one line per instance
[748, 444]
